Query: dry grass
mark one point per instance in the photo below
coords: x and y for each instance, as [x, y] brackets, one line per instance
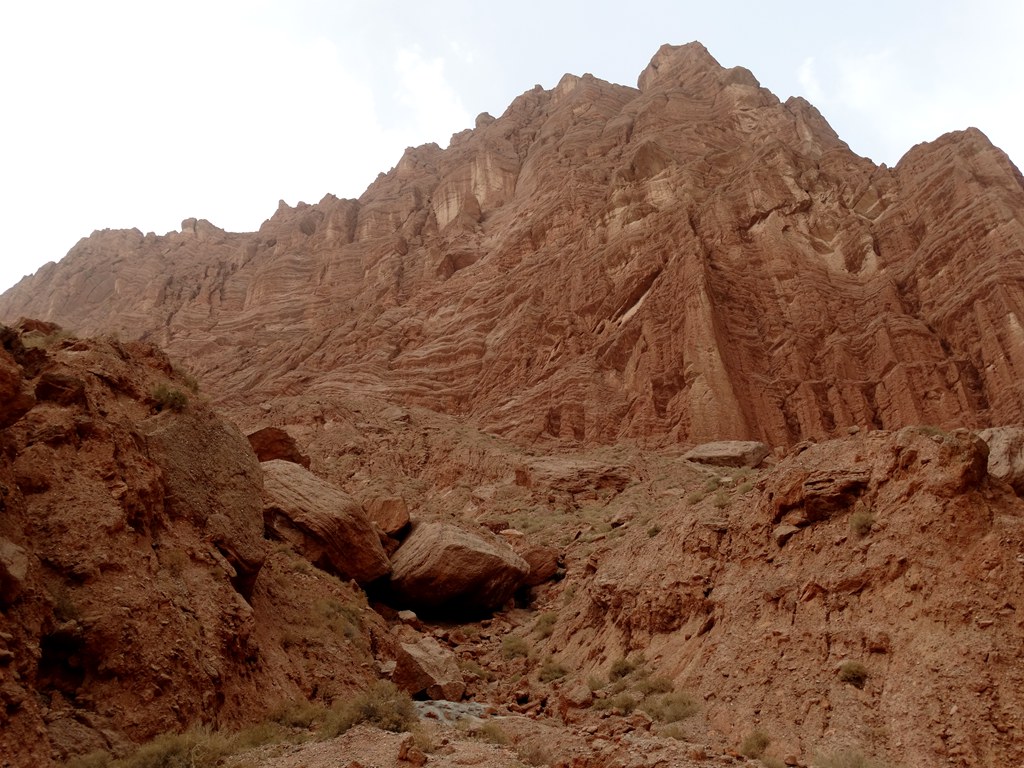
[854, 673]
[754, 744]
[382, 705]
[672, 707]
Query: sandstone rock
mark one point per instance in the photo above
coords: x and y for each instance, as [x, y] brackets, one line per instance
[547, 321]
[219, 492]
[424, 666]
[13, 570]
[729, 453]
[272, 443]
[443, 566]
[542, 560]
[1006, 454]
[322, 522]
[14, 400]
[389, 513]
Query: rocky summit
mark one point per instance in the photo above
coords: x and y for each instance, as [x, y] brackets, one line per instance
[639, 427]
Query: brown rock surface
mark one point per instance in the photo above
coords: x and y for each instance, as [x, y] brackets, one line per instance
[389, 513]
[729, 453]
[692, 260]
[275, 443]
[424, 666]
[443, 566]
[322, 522]
[1006, 454]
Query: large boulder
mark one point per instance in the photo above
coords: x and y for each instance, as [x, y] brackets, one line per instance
[322, 522]
[13, 570]
[729, 453]
[444, 567]
[389, 513]
[1006, 455]
[424, 666]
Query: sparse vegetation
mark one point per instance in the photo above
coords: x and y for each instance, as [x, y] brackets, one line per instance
[651, 685]
[721, 500]
[624, 702]
[854, 673]
[622, 667]
[382, 705]
[298, 714]
[653, 531]
[492, 732]
[545, 624]
[754, 744]
[534, 754]
[168, 398]
[672, 707]
[513, 646]
[861, 522]
[552, 670]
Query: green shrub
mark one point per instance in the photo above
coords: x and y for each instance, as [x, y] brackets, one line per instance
[492, 732]
[754, 744]
[545, 624]
[861, 522]
[514, 645]
[672, 707]
[167, 398]
[854, 673]
[552, 670]
[622, 667]
[382, 705]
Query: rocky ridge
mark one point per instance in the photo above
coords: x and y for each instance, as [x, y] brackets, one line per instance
[688, 260]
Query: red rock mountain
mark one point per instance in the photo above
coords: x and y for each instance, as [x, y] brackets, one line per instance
[691, 259]
[472, 381]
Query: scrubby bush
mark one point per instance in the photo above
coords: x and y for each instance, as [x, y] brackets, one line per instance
[514, 645]
[545, 624]
[672, 707]
[854, 673]
[552, 670]
[167, 398]
[861, 522]
[754, 744]
[382, 705]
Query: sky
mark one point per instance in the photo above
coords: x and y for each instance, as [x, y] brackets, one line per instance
[144, 113]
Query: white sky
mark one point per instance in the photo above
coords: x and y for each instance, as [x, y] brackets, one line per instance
[143, 113]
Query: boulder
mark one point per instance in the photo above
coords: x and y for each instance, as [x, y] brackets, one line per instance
[15, 400]
[389, 513]
[13, 570]
[443, 567]
[542, 559]
[272, 443]
[322, 522]
[1006, 455]
[729, 453]
[424, 666]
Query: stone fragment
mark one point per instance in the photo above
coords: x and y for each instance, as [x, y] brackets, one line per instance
[13, 570]
[1006, 454]
[322, 522]
[443, 566]
[729, 453]
[424, 666]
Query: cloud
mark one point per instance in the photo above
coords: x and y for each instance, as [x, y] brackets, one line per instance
[434, 107]
[808, 79]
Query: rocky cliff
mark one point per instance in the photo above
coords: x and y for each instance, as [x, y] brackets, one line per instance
[686, 260]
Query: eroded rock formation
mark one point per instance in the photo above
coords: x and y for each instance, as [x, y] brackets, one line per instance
[689, 260]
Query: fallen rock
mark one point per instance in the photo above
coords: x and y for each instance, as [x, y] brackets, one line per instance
[13, 570]
[442, 566]
[389, 513]
[729, 453]
[15, 401]
[424, 666]
[542, 559]
[272, 443]
[1006, 455]
[322, 522]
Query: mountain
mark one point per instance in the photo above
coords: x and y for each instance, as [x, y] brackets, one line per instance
[688, 260]
[485, 377]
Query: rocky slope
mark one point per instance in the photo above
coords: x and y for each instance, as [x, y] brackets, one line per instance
[687, 260]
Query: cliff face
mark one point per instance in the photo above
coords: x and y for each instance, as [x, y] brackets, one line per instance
[688, 260]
